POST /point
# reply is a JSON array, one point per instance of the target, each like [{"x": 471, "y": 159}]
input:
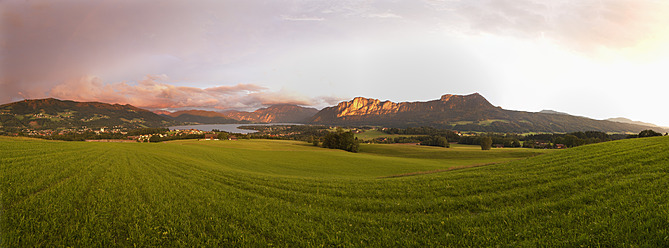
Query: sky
[{"x": 593, "y": 58}]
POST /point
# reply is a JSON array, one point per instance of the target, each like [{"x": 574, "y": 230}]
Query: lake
[{"x": 230, "y": 128}]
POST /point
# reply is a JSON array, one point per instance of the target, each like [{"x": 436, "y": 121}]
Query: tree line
[{"x": 545, "y": 141}]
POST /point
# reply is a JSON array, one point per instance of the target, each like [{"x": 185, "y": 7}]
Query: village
[{"x": 122, "y": 134}]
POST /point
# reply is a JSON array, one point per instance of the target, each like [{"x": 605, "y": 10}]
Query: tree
[
  {"x": 442, "y": 141},
  {"x": 354, "y": 147},
  {"x": 529, "y": 143},
  {"x": 341, "y": 140},
  {"x": 572, "y": 141},
  {"x": 436, "y": 141},
  {"x": 648, "y": 133},
  {"x": 486, "y": 143},
  {"x": 155, "y": 138}
]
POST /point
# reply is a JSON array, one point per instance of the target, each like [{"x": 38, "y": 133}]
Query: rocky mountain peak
[
  {"x": 365, "y": 106},
  {"x": 446, "y": 98},
  {"x": 450, "y": 97}
]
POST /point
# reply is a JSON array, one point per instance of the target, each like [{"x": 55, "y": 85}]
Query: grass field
[
  {"x": 373, "y": 134},
  {"x": 282, "y": 193}
]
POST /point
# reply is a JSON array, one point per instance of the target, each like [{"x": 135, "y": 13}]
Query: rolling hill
[
  {"x": 253, "y": 193},
  {"x": 464, "y": 113},
  {"x": 52, "y": 113}
]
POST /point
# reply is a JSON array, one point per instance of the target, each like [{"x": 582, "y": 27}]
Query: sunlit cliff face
[{"x": 365, "y": 106}]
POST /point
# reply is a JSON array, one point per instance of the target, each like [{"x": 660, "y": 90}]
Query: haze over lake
[{"x": 230, "y": 128}]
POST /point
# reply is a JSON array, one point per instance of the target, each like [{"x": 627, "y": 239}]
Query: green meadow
[
  {"x": 373, "y": 134},
  {"x": 253, "y": 193}
]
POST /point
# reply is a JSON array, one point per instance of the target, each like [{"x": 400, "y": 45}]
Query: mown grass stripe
[{"x": 191, "y": 193}]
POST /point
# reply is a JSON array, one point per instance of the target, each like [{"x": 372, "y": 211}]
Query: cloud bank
[
  {"x": 298, "y": 48},
  {"x": 152, "y": 93},
  {"x": 583, "y": 26}
]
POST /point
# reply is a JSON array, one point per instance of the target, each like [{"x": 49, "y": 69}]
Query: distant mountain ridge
[
  {"x": 456, "y": 112},
  {"x": 625, "y": 120},
  {"x": 365, "y": 111},
  {"x": 201, "y": 117},
  {"x": 280, "y": 113},
  {"x": 548, "y": 111},
  {"x": 360, "y": 106},
  {"x": 51, "y": 113},
  {"x": 460, "y": 112}
]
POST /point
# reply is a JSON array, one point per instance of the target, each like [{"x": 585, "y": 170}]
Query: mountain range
[
  {"x": 625, "y": 120},
  {"x": 280, "y": 113},
  {"x": 52, "y": 113},
  {"x": 463, "y": 113},
  {"x": 456, "y": 112}
]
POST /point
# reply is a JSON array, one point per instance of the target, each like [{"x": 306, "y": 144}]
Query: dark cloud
[
  {"x": 43, "y": 43},
  {"x": 50, "y": 50}
]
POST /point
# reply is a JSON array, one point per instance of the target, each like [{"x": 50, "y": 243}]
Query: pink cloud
[
  {"x": 582, "y": 26},
  {"x": 236, "y": 88},
  {"x": 152, "y": 93}
]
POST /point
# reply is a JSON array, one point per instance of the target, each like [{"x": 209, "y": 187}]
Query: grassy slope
[
  {"x": 373, "y": 134},
  {"x": 240, "y": 193}
]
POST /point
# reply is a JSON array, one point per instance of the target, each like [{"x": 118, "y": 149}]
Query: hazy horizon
[{"x": 599, "y": 59}]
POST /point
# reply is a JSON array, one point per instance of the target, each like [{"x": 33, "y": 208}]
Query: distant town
[{"x": 120, "y": 134}]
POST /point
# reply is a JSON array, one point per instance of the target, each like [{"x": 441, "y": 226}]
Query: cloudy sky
[{"x": 594, "y": 58}]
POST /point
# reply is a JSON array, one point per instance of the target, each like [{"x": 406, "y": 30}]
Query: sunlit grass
[{"x": 284, "y": 193}]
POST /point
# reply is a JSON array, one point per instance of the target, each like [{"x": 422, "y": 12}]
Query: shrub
[
  {"x": 436, "y": 141},
  {"x": 486, "y": 143},
  {"x": 648, "y": 133}
]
